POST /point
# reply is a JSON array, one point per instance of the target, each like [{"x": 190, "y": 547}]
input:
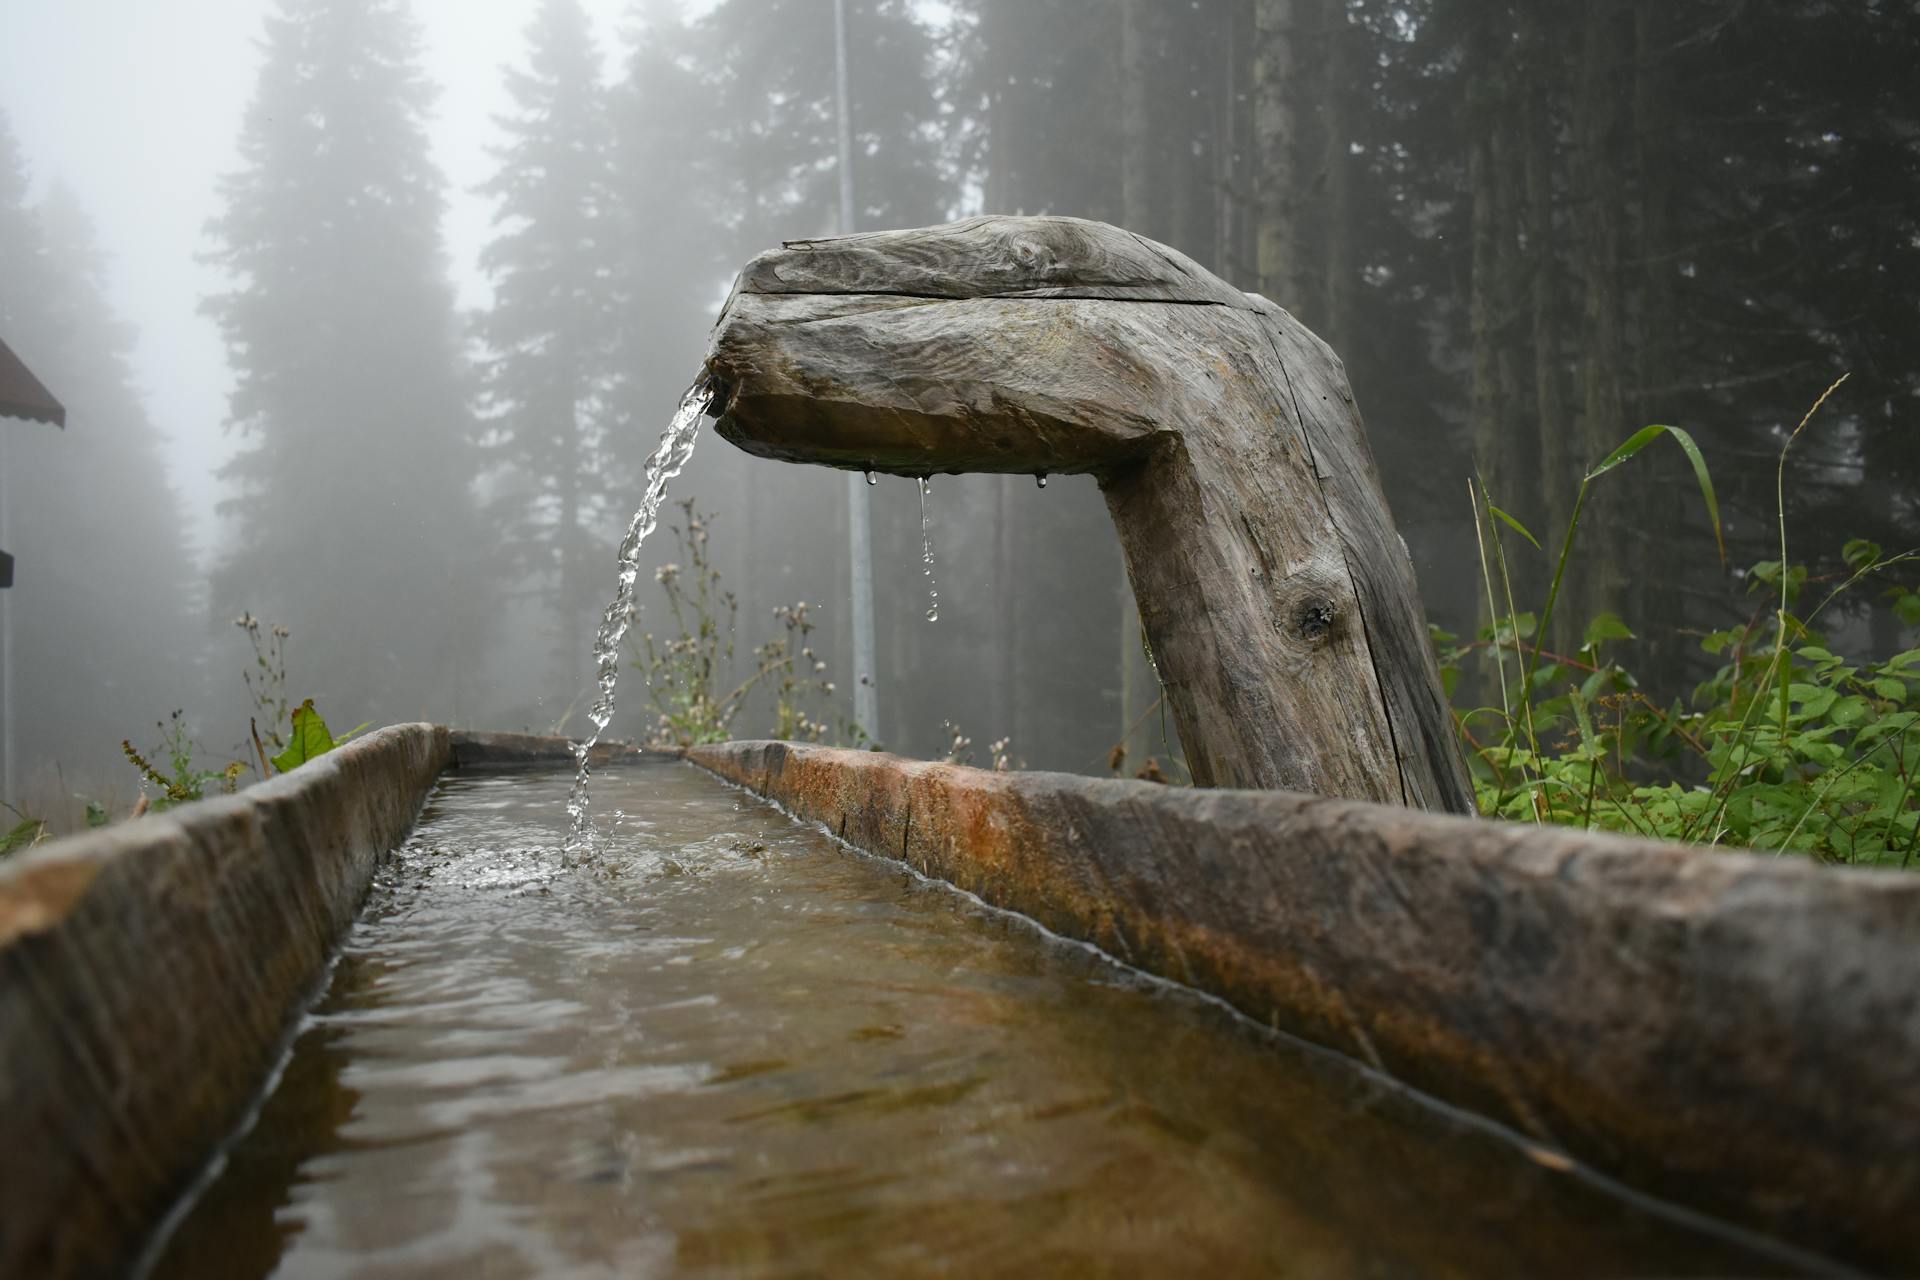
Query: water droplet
[
  {"x": 1041, "y": 479},
  {"x": 872, "y": 478},
  {"x": 926, "y": 554}
]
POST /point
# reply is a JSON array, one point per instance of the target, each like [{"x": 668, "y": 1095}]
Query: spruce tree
[
  {"x": 104, "y": 587},
  {"x": 773, "y": 121},
  {"x": 557, "y": 480},
  {"x": 352, "y": 509},
  {"x": 22, "y": 250}
]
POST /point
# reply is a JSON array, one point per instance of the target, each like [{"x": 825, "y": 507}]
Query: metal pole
[
  {"x": 866, "y": 690},
  {"x": 8, "y": 790}
]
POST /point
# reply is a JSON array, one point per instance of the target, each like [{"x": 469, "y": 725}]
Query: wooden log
[{"x": 1279, "y": 601}]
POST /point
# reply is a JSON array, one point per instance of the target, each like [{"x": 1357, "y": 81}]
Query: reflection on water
[{"x": 730, "y": 1047}]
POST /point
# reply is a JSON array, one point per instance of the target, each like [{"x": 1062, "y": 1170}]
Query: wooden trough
[
  {"x": 1734, "y": 1033},
  {"x": 151, "y": 972}
]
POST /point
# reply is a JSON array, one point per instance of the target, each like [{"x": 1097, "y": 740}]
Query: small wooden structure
[
  {"x": 1278, "y": 599},
  {"x": 23, "y": 396}
]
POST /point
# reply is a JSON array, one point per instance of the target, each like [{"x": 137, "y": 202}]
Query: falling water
[
  {"x": 675, "y": 447},
  {"x": 872, "y": 479},
  {"x": 1041, "y": 477},
  {"x": 926, "y": 554}
]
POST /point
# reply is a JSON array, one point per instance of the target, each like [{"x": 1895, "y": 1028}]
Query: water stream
[
  {"x": 926, "y": 553},
  {"x": 727, "y": 1046},
  {"x": 668, "y": 457}
]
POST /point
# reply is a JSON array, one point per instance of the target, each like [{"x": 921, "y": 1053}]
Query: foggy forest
[
  {"x": 1527, "y": 229},
  {"x": 796, "y": 638}
]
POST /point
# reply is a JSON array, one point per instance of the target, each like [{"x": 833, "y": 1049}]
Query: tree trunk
[
  {"x": 1558, "y": 476},
  {"x": 575, "y": 651},
  {"x": 1656, "y": 506},
  {"x": 1136, "y": 191},
  {"x": 1005, "y": 612},
  {"x": 1226, "y": 171},
  {"x": 1276, "y": 252},
  {"x": 1597, "y": 141},
  {"x": 1483, "y": 304},
  {"x": 1339, "y": 267}
]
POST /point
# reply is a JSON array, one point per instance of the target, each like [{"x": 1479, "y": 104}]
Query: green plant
[
  {"x": 24, "y": 834},
  {"x": 310, "y": 738},
  {"x": 266, "y": 680},
  {"x": 305, "y": 735},
  {"x": 1788, "y": 746},
  {"x": 182, "y": 780},
  {"x": 689, "y": 673},
  {"x": 798, "y": 675}
]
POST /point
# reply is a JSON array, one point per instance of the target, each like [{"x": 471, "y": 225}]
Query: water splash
[
  {"x": 926, "y": 554},
  {"x": 669, "y": 456}
]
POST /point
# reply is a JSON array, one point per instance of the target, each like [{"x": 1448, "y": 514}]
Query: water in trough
[{"x": 726, "y": 1045}]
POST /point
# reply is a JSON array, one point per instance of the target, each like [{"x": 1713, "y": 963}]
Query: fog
[{"x": 366, "y": 313}]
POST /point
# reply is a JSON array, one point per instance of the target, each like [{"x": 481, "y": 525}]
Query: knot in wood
[{"x": 1313, "y": 620}]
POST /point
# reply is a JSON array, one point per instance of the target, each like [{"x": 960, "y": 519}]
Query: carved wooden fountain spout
[{"x": 1278, "y": 599}]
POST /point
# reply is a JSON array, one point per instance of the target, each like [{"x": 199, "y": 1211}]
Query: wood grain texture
[
  {"x": 1279, "y": 601},
  {"x": 992, "y": 257}
]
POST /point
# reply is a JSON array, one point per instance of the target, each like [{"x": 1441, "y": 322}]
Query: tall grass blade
[
  {"x": 1646, "y": 436},
  {"x": 1516, "y": 526}
]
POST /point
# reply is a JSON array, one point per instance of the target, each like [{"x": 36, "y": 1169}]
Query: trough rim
[{"x": 1440, "y": 1028}]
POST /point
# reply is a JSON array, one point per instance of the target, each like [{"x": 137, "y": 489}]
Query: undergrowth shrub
[
  {"x": 1789, "y": 746},
  {"x": 692, "y": 682}
]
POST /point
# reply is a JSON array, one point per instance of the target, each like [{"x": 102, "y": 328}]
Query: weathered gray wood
[
  {"x": 992, "y": 258},
  {"x": 1737, "y": 1033},
  {"x": 1279, "y": 601}
]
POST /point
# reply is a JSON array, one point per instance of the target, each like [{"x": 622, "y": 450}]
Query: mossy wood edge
[
  {"x": 150, "y": 973},
  {"x": 1730, "y": 1032}
]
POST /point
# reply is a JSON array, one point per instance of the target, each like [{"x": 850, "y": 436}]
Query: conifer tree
[
  {"x": 549, "y": 334},
  {"x": 352, "y": 508},
  {"x": 104, "y": 587}
]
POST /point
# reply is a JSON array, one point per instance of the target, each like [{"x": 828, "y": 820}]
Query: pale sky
[{"x": 136, "y": 105}]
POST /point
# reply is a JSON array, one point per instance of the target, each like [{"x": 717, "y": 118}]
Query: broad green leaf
[
  {"x": 1848, "y": 710},
  {"x": 1607, "y": 626},
  {"x": 1505, "y": 629},
  {"x": 22, "y": 836},
  {"x": 1812, "y": 699},
  {"x": 310, "y": 738},
  {"x": 1646, "y": 436},
  {"x": 1860, "y": 552}
]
